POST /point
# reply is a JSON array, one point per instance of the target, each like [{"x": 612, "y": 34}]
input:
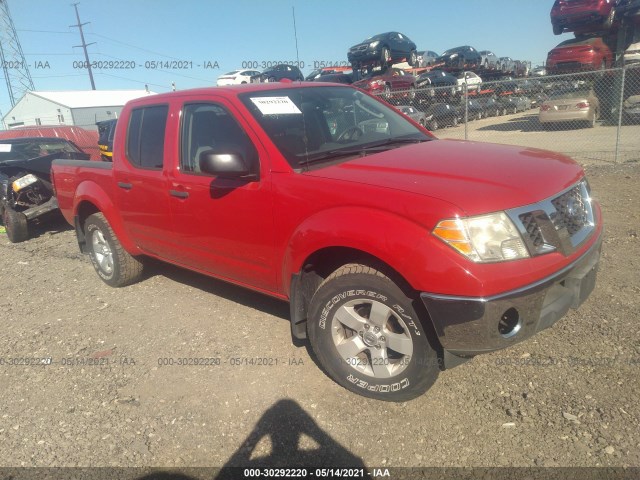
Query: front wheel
[
  {"x": 113, "y": 264},
  {"x": 413, "y": 59},
  {"x": 15, "y": 223},
  {"x": 367, "y": 335}
]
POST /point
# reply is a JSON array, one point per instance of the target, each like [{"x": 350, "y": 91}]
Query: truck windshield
[{"x": 322, "y": 123}]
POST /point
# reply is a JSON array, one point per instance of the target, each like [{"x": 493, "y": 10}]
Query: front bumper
[{"x": 468, "y": 326}]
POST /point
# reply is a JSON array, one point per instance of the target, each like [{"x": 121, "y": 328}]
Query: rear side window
[{"x": 145, "y": 136}]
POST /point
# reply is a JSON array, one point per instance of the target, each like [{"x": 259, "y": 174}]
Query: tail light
[
  {"x": 583, "y": 105},
  {"x": 545, "y": 108}
]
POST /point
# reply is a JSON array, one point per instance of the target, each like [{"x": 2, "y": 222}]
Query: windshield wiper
[{"x": 362, "y": 150}]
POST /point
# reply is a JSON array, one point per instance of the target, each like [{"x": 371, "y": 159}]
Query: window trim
[
  {"x": 181, "y": 136},
  {"x": 139, "y": 146}
]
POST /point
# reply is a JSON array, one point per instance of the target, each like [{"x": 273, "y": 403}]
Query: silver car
[{"x": 570, "y": 106}]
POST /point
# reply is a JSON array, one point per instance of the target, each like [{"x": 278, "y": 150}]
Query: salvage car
[
  {"x": 439, "y": 115},
  {"x": 471, "y": 80},
  {"x": 579, "y": 54},
  {"x": 437, "y": 83},
  {"x": 106, "y": 132},
  {"x": 26, "y": 193},
  {"x": 575, "y": 106},
  {"x": 414, "y": 114},
  {"x": 460, "y": 58},
  {"x": 236, "y": 77},
  {"x": 390, "y": 83},
  {"x": 631, "y": 109},
  {"x": 383, "y": 49},
  {"x": 278, "y": 73},
  {"x": 489, "y": 60},
  {"x": 567, "y": 15},
  {"x": 426, "y": 58}
]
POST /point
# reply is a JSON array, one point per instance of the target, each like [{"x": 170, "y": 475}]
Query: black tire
[
  {"x": 16, "y": 225},
  {"x": 412, "y": 93},
  {"x": 413, "y": 59},
  {"x": 454, "y": 122},
  {"x": 367, "y": 335},
  {"x": 385, "y": 56},
  {"x": 433, "y": 125},
  {"x": 557, "y": 30},
  {"x": 609, "y": 20},
  {"x": 386, "y": 94},
  {"x": 113, "y": 264},
  {"x": 515, "y": 109}
]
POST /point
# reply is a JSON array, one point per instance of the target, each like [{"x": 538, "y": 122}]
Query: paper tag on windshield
[
  {"x": 5, "y": 147},
  {"x": 275, "y": 105}
]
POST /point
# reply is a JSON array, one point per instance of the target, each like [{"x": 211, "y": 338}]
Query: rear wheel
[
  {"x": 113, "y": 264},
  {"x": 368, "y": 337},
  {"x": 433, "y": 125},
  {"x": 15, "y": 223},
  {"x": 557, "y": 30}
]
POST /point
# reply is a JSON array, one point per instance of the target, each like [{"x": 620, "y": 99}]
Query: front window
[{"x": 315, "y": 125}]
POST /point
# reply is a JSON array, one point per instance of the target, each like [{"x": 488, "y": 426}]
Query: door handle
[
  {"x": 178, "y": 194},
  {"x": 126, "y": 186}
]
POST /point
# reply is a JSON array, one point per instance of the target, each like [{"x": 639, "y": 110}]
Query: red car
[
  {"x": 579, "y": 54},
  {"x": 568, "y": 15},
  {"x": 389, "y": 83}
]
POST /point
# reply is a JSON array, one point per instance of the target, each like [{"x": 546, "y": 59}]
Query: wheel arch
[
  {"x": 90, "y": 198},
  {"x": 318, "y": 266}
]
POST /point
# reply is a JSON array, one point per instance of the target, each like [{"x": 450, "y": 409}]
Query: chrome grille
[
  {"x": 572, "y": 213},
  {"x": 533, "y": 230},
  {"x": 561, "y": 223}
]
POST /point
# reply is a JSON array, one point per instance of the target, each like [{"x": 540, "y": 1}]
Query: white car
[
  {"x": 472, "y": 80},
  {"x": 236, "y": 77},
  {"x": 632, "y": 54}
]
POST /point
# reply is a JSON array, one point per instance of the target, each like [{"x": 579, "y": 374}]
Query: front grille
[
  {"x": 533, "y": 229},
  {"x": 572, "y": 213},
  {"x": 560, "y": 223}
]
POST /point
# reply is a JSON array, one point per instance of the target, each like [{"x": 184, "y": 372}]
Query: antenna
[{"x": 295, "y": 35}]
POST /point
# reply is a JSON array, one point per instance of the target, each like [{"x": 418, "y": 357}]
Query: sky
[{"x": 208, "y": 38}]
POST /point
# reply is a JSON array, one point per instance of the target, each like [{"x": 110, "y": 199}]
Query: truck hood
[{"x": 476, "y": 177}]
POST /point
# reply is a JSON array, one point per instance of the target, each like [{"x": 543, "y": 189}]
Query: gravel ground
[{"x": 567, "y": 397}]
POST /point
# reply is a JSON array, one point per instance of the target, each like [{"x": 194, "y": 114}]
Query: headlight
[
  {"x": 484, "y": 238},
  {"x": 22, "y": 182},
  {"x": 374, "y": 44}
]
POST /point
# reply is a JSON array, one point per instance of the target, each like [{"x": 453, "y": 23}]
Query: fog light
[{"x": 509, "y": 323}]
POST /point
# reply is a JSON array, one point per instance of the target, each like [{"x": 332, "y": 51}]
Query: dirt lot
[{"x": 567, "y": 397}]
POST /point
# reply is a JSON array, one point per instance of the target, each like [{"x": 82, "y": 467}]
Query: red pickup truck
[{"x": 400, "y": 254}]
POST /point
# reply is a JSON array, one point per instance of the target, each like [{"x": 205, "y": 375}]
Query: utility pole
[
  {"x": 14, "y": 65},
  {"x": 84, "y": 45}
]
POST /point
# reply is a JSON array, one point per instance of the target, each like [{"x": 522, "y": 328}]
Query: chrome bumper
[{"x": 468, "y": 326}]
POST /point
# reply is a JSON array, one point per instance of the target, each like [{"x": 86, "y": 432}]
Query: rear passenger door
[
  {"x": 141, "y": 183},
  {"x": 223, "y": 227}
]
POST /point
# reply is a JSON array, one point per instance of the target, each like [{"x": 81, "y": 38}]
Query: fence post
[
  {"x": 620, "y": 107},
  {"x": 465, "y": 92}
]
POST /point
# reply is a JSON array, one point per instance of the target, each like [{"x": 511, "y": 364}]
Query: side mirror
[{"x": 225, "y": 165}]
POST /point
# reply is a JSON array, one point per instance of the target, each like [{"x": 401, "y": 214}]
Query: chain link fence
[{"x": 590, "y": 116}]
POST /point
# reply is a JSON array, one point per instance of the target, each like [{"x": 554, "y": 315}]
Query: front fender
[
  {"x": 90, "y": 192},
  {"x": 386, "y": 236}
]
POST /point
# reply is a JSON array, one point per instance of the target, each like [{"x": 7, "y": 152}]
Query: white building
[{"x": 82, "y": 108}]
